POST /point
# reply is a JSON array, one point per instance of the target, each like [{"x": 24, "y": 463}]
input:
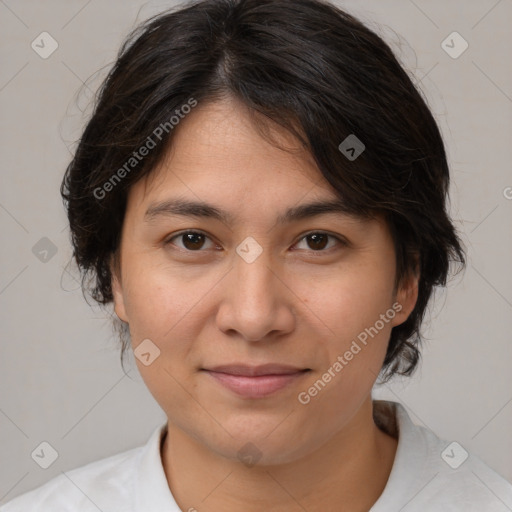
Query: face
[{"x": 223, "y": 289}]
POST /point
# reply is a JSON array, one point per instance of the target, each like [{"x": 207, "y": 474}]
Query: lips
[
  {"x": 251, "y": 371},
  {"x": 255, "y": 381}
]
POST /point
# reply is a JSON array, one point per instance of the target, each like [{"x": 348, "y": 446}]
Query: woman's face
[{"x": 255, "y": 288}]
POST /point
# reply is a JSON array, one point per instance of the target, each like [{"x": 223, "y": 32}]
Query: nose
[{"x": 256, "y": 303}]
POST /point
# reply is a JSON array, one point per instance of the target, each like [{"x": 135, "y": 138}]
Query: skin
[{"x": 298, "y": 303}]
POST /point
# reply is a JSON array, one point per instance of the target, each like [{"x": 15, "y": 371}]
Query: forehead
[{"x": 218, "y": 153}]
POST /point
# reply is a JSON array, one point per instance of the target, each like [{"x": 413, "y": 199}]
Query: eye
[
  {"x": 191, "y": 240},
  {"x": 318, "y": 240},
  {"x": 194, "y": 241}
]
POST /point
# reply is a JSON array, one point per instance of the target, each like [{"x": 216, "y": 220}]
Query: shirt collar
[
  {"x": 152, "y": 493},
  {"x": 411, "y": 458}
]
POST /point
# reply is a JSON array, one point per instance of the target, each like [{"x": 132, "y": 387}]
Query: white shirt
[{"x": 422, "y": 478}]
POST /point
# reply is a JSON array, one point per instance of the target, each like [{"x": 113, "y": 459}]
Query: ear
[
  {"x": 406, "y": 295},
  {"x": 117, "y": 290}
]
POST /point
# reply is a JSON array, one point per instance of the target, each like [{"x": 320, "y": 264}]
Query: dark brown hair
[{"x": 305, "y": 64}]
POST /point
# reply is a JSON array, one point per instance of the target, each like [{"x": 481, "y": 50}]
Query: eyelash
[{"x": 341, "y": 242}]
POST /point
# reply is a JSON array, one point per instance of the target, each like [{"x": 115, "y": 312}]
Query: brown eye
[
  {"x": 318, "y": 241},
  {"x": 190, "y": 240},
  {"x": 193, "y": 241}
]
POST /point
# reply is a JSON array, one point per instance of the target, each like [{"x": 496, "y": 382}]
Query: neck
[{"x": 351, "y": 468}]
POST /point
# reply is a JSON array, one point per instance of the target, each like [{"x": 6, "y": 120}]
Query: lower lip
[{"x": 257, "y": 386}]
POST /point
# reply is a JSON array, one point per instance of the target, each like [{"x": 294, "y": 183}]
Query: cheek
[
  {"x": 161, "y": 308},
  {"x": 350, "y": 300},
  {"x": 158, "y": 298},
  {"x": 356, "y": 313},
  {"x": 168, "y": 308}
]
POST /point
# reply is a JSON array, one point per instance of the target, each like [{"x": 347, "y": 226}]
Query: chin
[{"x": 264, "y": 447}]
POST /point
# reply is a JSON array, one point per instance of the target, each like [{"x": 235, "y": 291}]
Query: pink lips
[{"x": 256, "y": 381}]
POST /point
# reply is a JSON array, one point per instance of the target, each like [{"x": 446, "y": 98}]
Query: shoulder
[
  {"x": 90, "y": 487},
  {"x": 455, "y": 479},
  {"x": 432, "y": 474}
]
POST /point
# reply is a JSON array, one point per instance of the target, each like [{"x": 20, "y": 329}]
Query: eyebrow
[{"x": 199, "y": 209}]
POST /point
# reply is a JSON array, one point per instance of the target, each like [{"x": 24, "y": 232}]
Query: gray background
[{"x": 61, "y": 379}]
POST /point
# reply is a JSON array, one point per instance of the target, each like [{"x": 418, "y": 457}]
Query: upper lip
[{"x": 252, "y": 371}]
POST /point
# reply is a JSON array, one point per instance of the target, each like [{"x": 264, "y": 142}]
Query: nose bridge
[
  {"x": 253, "y": 305},
  {"x": 254, "y": 277}
]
